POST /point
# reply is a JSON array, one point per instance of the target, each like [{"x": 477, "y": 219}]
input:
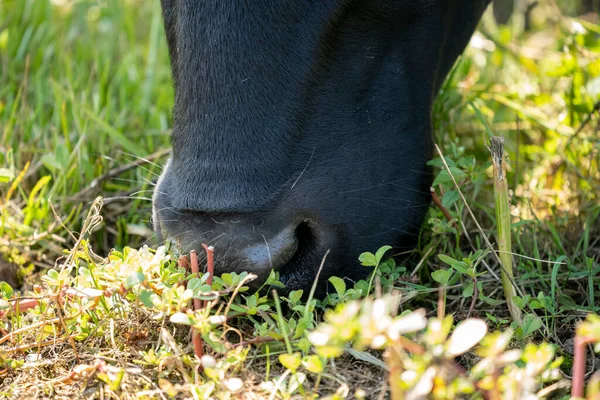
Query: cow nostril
[
  {"x": 305, "y": 239},
  {"x": 298, "y": 266},
  {"x": 304, "y": 236}
]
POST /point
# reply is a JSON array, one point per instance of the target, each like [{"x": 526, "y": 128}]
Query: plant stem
[
  {"x": 395, "y": 365},
  {"x": 503, "y": 224},
  {"x": 281, "y": 322},
  {"x": 196, "y": 338},
  {"x": 578, "y": 383}
]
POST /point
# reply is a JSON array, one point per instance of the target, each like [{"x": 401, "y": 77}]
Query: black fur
[{"x": 304, "y": 113}]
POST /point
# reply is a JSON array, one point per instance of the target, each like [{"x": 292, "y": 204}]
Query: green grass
[{"x": 86, "y": 88}]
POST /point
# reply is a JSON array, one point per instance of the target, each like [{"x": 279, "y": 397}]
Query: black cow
[{"x": 302, "y": 126}]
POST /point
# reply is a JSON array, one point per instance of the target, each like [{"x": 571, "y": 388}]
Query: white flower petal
[
  {"x": 413, "y": 322},
  {"x": 466, "y": 335}
]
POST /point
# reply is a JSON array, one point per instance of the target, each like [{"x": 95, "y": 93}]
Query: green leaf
[
  {"x": 228, "y": 279},
  {"x": 535, "y": 304},
  {"x": 482, "y": 119},
  {"x": 301, "y": 328},
  {"x": 194, "y": 284},
  {"x": 554, "y": 279},
  {"x": 6, "y": 289},
  {"x": 273, "y": 280},
  {"x": 213, "y": 341},
  {"x": 531, "y": 323},
  {"x": 496, "y": 319},
  {"x": 490, "y": 301},
  {"x": 252, "y": 301},
  {"x": 388, "y": 265},
  {"x": 546, "y": 302},
  {"x": 521, "y": 302},
  {"x": 444, "y": 177},
  {"x": 460, "y": 266},
  {"x": 450, "y": 197},
  {"x": 441, "y": 276},
  {"x": 467, "y": 162},
  {"x": 313, "y": 364},
  {"x": 134, "y": 279},
  {"x": 437, "y": 162},
  {"x": 339, "y": 285},
  {"x": 468, "y": 290},
  {"x": 304, "y": 345},
  {"x": 146, "y": 298},
  {"x": 362, "y": 286},
  {"x": 449, "y": 260},
  {"x": 6, "y": 175},
  {"x": 55, "y": 161},
  {"x": 52, "y": 274},
  {"x": 380, "y": 253},
  {"x": 491, "y": 317},
  {"x": 290, "y": 361},
  {"x": 368, "y": 259},
  {"x": 295, "y": 296},
  {"x": 238, "y": 308}
]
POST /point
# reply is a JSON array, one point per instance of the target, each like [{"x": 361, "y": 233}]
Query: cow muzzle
[{"x": 240, "y": 244}]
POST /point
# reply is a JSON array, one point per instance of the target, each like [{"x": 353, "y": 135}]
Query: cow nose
[
  {"x": 259, "y": 255},
  {"x": 242, "y": 243}
]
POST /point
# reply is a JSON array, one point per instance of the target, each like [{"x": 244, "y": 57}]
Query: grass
[
  {"x": 85, "y": 98},
  {"x": 85, "y": 88}
]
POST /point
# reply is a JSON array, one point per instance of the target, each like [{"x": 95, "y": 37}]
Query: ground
[{"x": 85, "y": 101}]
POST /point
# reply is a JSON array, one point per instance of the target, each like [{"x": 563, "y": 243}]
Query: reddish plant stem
[
  {"x": 579, "y": 365},
  {"x": 258, "y": 340},
  {"x": 210, "y": 265},
  {"x": 495, "y": 392},
  {"x": 22, "y": 304},
  {"x": 196, "y": 338},
  {"x": 210, "y": 262},
  {"x": 394, "y": 362},
  {"x": 183, "y": 262},
  {"x": 411, "y": 346},
  {"x": 438, "y": 203},
  {"x": 475, "y": 296},
  {"x": 441, "y": 311}
]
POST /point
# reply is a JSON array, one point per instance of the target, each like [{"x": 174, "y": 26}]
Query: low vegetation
[{"x": 85, "y": 101}]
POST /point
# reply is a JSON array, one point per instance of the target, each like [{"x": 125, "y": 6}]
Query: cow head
[{"x": 302, "y": 126}]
